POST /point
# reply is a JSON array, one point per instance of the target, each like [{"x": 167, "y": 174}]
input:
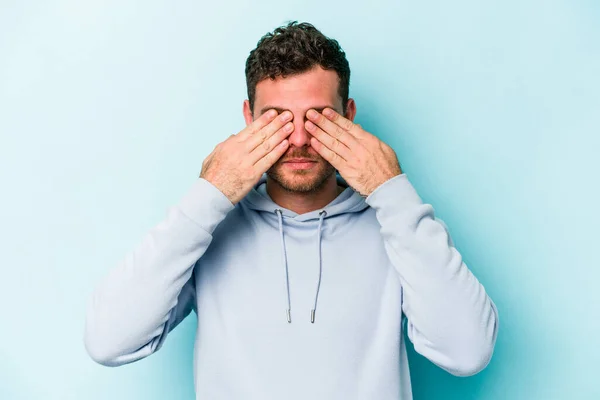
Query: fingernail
[
  {"x": 310, "y": 126},
  {"x": 286, "y": 115},
  {"x": 328, "y": 112},
  {"x": 311, "y": 113}
]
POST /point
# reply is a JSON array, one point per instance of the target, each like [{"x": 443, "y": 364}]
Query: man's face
[{"x": 317, "y": 89}]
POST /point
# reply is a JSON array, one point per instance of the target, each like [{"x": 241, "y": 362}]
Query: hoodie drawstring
[
  {"x": 287, "y": 279},
  {"x": 322, "y": 215},
  {"x": 312, "y": 313}
]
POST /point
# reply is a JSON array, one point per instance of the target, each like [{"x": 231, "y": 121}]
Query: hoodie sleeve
[
  {"x": 451, "y": 319},
  {"x": 145, "y": 296}
]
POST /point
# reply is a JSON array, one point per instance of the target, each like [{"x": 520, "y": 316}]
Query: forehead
[{"x": 317, "y": 87}]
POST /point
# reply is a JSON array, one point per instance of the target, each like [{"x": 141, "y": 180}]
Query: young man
[{"x": 300, "y": 277}]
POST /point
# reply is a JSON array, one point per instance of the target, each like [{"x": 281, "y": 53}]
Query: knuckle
[
  {"x": 335, "y": 144},
  {"x": 269, "y": 158},
  {"x": 266, "y": 145},
  {"x": 263, "y": 135}
]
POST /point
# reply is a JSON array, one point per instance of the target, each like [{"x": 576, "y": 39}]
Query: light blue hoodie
[{"x": 295, "y": 306}]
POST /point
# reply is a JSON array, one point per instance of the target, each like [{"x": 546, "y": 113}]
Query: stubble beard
[{"x": 301, "y": 181}]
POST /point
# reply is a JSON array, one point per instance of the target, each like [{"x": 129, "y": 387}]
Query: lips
[
  {"x": 299, "y": 160},
  {"x": 297, "y": 164}
]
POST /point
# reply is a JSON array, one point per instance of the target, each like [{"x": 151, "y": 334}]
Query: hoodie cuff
[
  {"x": 205, "y": 204},
  {"x": 394, "y": 194}
]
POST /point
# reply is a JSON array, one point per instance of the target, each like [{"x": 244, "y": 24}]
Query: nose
[{"x": 300, "y": 136}]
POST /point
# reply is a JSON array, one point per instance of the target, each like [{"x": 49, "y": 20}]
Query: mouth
[
  {"x": 300, "y": 163},
  {"x": 299, "y": 160}
]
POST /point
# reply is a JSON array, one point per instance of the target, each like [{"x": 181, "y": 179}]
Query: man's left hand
[{"x": 364, "y": 161}]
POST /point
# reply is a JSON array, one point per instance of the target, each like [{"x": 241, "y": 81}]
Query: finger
[
  {"x": 332, "y": 143},
  {"x": 344, "y": 123},
  {"x": 273, "y": 141},
  {"x": 258, "y": 124},
  {"x": 332, "y": 129},
  {"x": 271, "y": 158},
  {"x": 267, "y": 131},
  {"x": 332, "y": 157}
]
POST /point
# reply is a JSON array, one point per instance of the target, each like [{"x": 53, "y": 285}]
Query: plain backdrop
[{"x": 108, "y": 108}]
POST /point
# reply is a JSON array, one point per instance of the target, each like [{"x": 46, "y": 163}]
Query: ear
[
  {"x": 247, "y": 112},
  {"x": 350, "y": 110}
]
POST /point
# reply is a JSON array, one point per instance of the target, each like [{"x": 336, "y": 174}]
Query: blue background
[{"x": 108, "y": 108}]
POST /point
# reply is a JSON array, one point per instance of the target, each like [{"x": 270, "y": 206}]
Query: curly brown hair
[{"x": 293, "y": 49}]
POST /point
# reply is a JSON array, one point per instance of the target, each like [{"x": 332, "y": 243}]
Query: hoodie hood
[{"x": 349, "y": 201}]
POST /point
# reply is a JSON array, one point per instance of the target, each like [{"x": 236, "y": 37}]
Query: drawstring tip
[
  {"x": 312, "y": 316},
  {"x": 289, "y": 316}
]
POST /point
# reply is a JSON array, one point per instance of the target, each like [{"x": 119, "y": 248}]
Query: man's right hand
[{"x": 237, "y": 164}]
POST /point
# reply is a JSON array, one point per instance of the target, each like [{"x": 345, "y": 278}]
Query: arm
[
  {"x": 451, "y": 319},
  {"x": 134, "y": 308},
  {"x": 151, "y": 290}
]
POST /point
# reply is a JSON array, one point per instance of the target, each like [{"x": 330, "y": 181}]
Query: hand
[
  {"x": 237, "y": 164},
  {"x": 364, "y": 161}
]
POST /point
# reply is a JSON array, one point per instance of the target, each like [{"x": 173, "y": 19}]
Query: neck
[{"x": 302, "y": 203}]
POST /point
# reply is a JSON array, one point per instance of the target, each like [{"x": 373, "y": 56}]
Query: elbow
[
  {"x": 98, "y": 354},
  {"x": 102, "y": 346},
  {"x": 471, "y": 363},
  {"x": 111, "y": 355},
  {"x": 105, "y": 338},
  {"x": 476, "y": 354},
  {"x": 97, "y": 342},
  {"x": 100, "y": 351},
  {"x": 461, "y": 359},
  {"x": 115, "y": 352}
]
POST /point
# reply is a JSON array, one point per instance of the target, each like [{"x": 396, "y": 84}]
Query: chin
[{"x": 301, "y": 181}]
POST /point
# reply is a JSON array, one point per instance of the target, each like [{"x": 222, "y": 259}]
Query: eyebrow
[{"x": 280, "y": 110}]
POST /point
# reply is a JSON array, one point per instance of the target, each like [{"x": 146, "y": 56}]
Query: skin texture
[
  {"x": 300, "y": 190},
  {"x": 236, "y": 164},
  {"x": 332, "y": 140},
  {"x": 363, "y": 160}
]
